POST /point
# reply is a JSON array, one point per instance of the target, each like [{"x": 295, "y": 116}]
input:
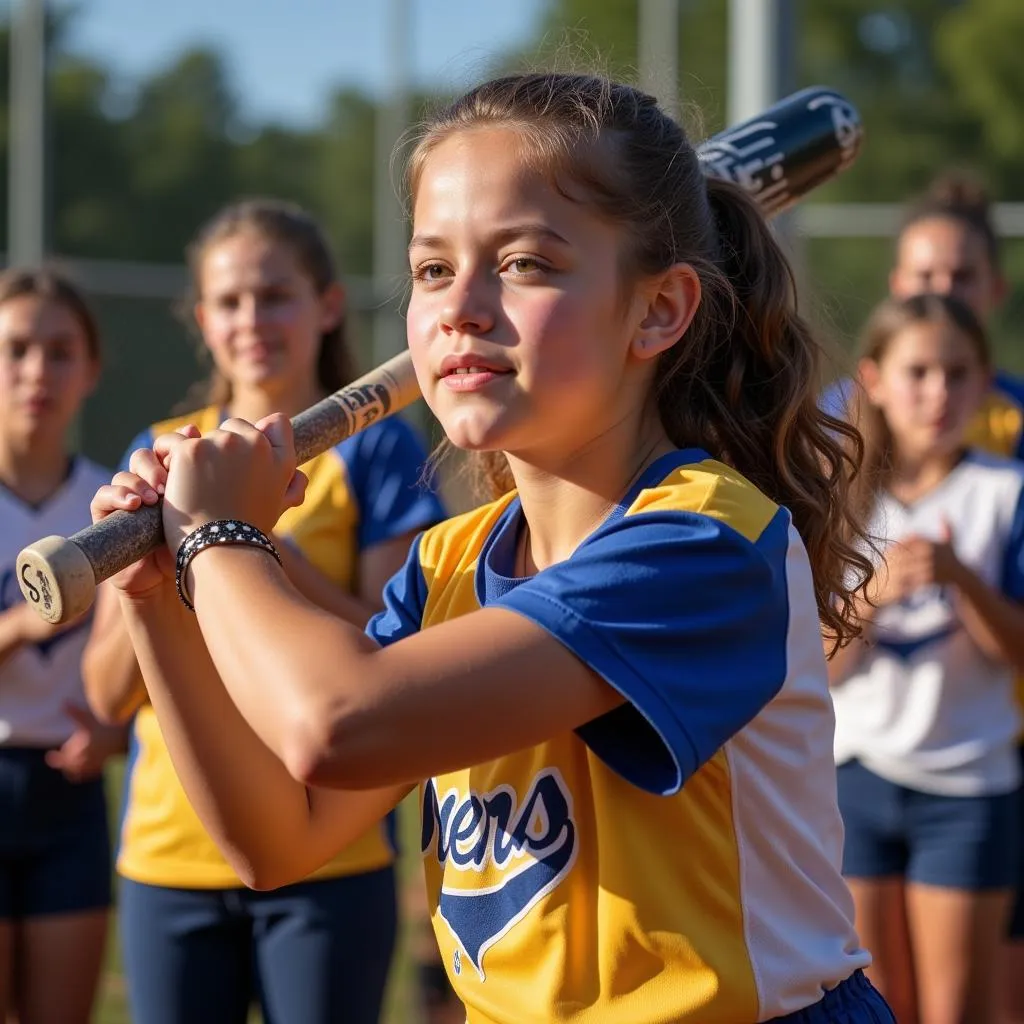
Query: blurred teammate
[
  {"x": 54, "y": 845},
  {"x": 197, "y": 944},
  {"x": 926, "y": 719}
]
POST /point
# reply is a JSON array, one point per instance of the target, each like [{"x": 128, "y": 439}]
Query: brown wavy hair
[
  {"x": 743, "y": 382},
  {"x": 287, "y": 224},
  {"x": 888, "y": 320}
]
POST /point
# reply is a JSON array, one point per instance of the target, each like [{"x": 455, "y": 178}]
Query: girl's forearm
[
  {"x": 289, "y": 694},
  {"x": 113, "y": 682},
  {"x": 242, "y": 793},
  {"x": 316, "y": 587},
  {"x": 993, "y": 622}
]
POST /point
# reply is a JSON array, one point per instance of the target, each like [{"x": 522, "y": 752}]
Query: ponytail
[{"x": 742, "y": 384}]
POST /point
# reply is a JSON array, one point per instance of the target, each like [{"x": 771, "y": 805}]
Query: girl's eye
[
  {"x": 523, "y": 265},
  {"x": 431, "y": 272}
]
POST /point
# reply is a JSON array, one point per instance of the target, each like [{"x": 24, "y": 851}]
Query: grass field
[{"x": 401, "y": 1008}]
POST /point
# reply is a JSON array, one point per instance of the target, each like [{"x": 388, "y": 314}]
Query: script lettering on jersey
[{"x": 524, "y": 847}]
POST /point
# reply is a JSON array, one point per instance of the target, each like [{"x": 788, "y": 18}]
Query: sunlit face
[
  {"x": 516, "y": 322},
  {"x": 943, "y": 256},
  {"x": 928, "y": 384},
  {"x": 46, "y": 369},
  {"x": 260, "y": 314}
]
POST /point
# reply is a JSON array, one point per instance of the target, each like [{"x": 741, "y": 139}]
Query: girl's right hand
[{"x": 142, "y": 485}]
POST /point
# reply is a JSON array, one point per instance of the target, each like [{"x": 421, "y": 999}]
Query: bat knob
[{"x": 57, "y": 579}]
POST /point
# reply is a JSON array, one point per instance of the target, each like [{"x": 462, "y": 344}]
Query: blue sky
[{"x": 285, "y": 55}]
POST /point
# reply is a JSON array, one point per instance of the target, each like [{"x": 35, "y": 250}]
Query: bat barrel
[{"x": 793, "y": 147}]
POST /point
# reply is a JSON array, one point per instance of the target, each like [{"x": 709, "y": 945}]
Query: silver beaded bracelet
[{"x": 222, "y": 531}]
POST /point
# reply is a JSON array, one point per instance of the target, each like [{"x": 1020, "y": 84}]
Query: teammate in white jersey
[
  {"x": 926, "y": 721},
  {"x": 54, "y": 848}
]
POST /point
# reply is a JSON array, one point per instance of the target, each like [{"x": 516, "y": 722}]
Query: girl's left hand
[
  {"x": 240, "y": 471},
  {"x": 87, "y": 749},
  {"x": 928, "y": 562}
]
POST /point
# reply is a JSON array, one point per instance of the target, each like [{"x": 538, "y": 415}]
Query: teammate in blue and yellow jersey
[
  {"x": 268, "y": 306},
  {"x": 608, "y": 682}
]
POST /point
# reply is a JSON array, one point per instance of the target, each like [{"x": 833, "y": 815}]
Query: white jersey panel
[{"x": 37, "y": 679}]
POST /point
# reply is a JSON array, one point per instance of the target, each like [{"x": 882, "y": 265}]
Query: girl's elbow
[
  {"x": 261, "y": 877},
  {"x": 312, "y": 744},
  {"x": 334, "y": 751}
]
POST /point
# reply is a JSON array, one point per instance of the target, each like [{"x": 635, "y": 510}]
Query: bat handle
[{"x": 58, "y": 575}]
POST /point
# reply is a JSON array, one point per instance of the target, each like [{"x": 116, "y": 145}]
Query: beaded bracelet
[{"x": 222, "y": 531}]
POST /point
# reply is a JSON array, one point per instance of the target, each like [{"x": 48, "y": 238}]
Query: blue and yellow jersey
[
  {"x": 677, "y": 859},
  {"x": 998, "y": 426},
  {"x": 360, "y": 493}
]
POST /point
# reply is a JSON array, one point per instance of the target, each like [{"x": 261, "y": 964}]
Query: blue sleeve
[
  {"x": 1012, "y": 583},
  {"x": 835, "y": 398},
  {"x": 686, "y": 618},
  {"x": 405, "y": 597},
  {"x": 385, "y": 469},
  {"x": 144, "y": 439}
]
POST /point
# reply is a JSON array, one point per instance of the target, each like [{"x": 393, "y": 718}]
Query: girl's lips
[{"x": 472, "y": 378}]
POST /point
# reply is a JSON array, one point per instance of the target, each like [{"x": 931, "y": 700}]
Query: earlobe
[{"x": 671, "y": 302}]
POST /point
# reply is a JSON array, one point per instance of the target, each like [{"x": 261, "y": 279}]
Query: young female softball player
[
  {"x": 926, "y": 718},
  {"x": 271, "y": 313},
  {"x": 54, "y": 845},
  {"x": 608, "y": 682}
]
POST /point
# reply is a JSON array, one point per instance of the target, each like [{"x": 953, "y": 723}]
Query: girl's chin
[{"x": 472, "y": 434}]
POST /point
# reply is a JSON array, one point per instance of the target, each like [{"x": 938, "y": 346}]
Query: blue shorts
[
  {"x": 312, "y": 953},
  {"x": 1015, "y": 930},
  {"x": 957, "y": 842},
  {"x": 853, "y": 1001},
  {"x": 54, "y": 843}
]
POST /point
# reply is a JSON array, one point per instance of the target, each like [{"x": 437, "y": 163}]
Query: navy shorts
[
  {"x": 1016, "y": 926},
  {"x": 312, "y": 953},
  {"x": 956, "y": 842},
  {"x": 54, "y": 843},
  {"x": 853, "y": 1001}
]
